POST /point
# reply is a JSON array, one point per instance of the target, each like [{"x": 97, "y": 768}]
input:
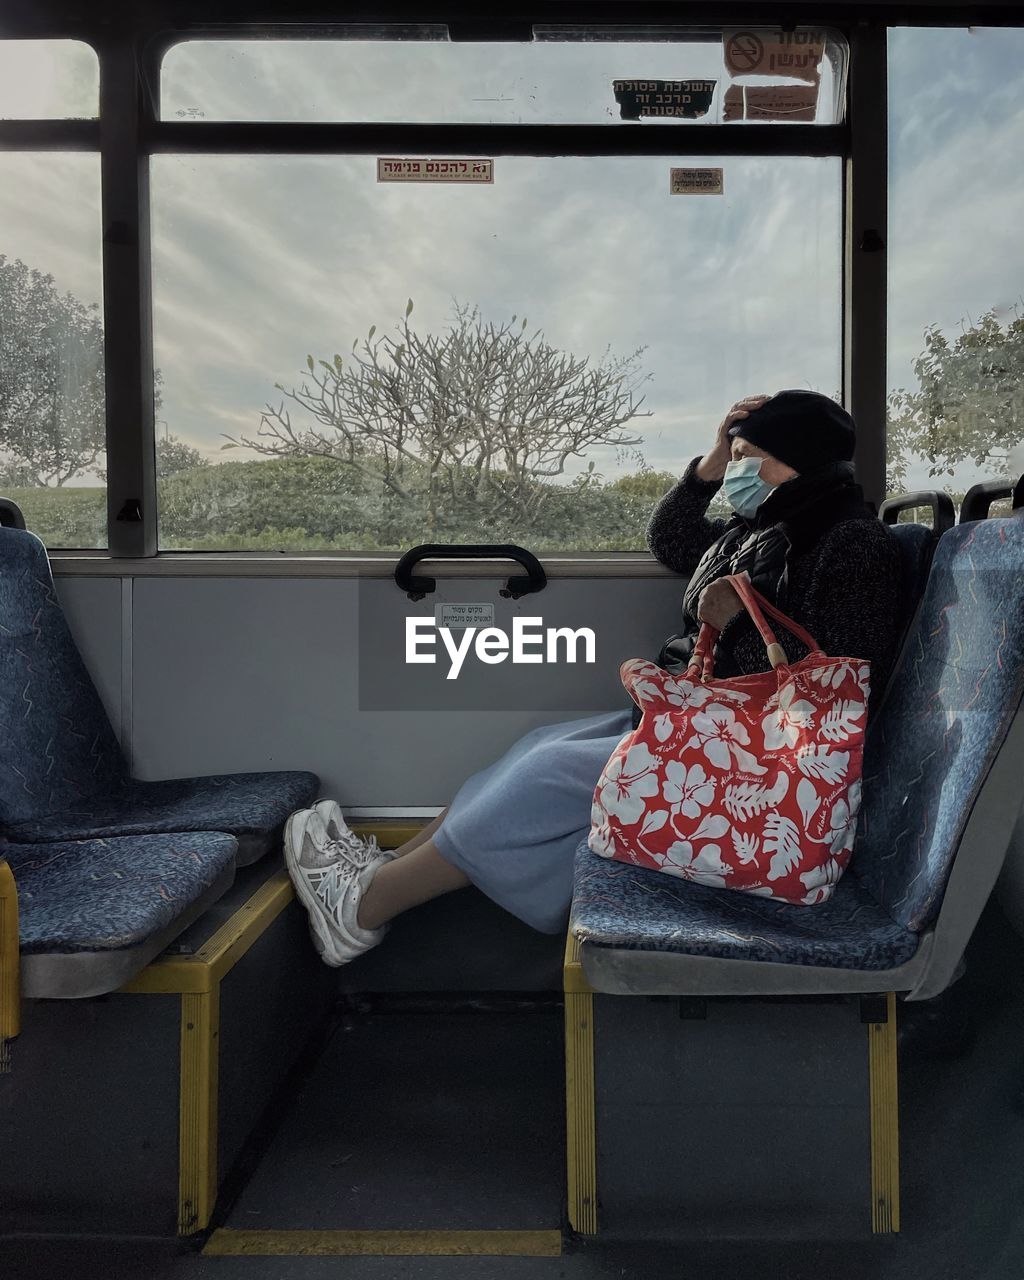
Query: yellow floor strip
[{"x": 281, "y": 1244}]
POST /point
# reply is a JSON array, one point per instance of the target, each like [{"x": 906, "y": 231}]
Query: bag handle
[{"x": 757, "y": 606}]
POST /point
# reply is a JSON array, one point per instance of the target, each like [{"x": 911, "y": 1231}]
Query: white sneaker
[
  {"x": 330, "y": 887},
  {"x": 338, "y": 837}
]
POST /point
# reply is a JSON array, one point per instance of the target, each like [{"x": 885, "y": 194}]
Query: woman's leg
[
  {"x": 417, "y": 876},
  {"x": 421, "y": 837}
]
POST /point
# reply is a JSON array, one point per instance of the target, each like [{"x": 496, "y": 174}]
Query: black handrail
[
  {"x": 978, "y": 499},
  {"x": 417, "y": 587},
  {"x": 11, "y": 515},
  {"x": 941, "y": 504}
]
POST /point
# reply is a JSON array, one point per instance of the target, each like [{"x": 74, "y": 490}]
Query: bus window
[
  {"x": 364, "y": 365},
  {"x": 52, "y": 425},
  {"x": 48, "y": 80},
  {"x": 564, "y": 75},
  {"x": 956, "y": 262}
]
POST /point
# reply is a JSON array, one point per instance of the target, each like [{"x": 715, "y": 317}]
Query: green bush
[
  {"x": 71, "y": 518},
  {"x": 318, "y": 504}
]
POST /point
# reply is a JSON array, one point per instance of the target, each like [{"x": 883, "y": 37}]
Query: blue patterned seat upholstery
[
  {"x": 93, "y": 913},
  {"x": 928, "y": 754},
  {"x": 62, "y": 775},
  {"x": 916, "y": 543},
  {"x": 250, "y": 806},
  {"x": 960, "y": 686},
  {"x": 107, "y": 895},
  {"x": 619, "y": 905}
]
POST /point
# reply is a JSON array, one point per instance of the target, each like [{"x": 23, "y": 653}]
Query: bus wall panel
[
  {"x": 89, "y": 1117},
  {"x": 89, "y": 1113},
  {"x": 249, "y": 674},
  {"x": 274, "y": 1005},
  {"x": 752, "y": 1122}
]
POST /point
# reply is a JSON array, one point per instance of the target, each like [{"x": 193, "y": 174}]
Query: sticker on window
[
  {"x": 680, "y": 99},
  {"x": 759, "y": 52},
  {"x": 697, "y": 182},
  {"x": 412, "y": 169},
  {"x": 765, "y": 102}
]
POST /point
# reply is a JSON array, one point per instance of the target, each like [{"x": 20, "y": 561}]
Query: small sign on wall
[
  {"x": 457, "y": 617},
  {"x": 697, "y": 182},
  {"x": 415, "y": 169}
]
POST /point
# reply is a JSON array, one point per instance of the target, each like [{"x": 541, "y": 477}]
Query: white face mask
[{"x": 744, "y": 488}]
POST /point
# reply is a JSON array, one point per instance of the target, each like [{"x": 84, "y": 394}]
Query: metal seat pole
[
  {"x": 581, "y": 1142},
  {"x": 883, "y": 1078},
  {"x": 10, "y": 965},
  {"x": 198, "y": 1108}
]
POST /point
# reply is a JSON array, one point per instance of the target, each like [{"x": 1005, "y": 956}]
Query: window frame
[{"x": 129, "y": 131}]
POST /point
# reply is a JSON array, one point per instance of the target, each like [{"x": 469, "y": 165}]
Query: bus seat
[
  {"x": 979, "y": 498},
  {"x": 11, "y": 516},
  {"x": 916, "y": 544},
  {"x": 62, "y": 774},
  {"x": 941, "y": 796},
  {"x": 93, "y": 913}
]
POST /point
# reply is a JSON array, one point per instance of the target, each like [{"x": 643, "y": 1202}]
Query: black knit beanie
[{"x": 803, "y": 429}]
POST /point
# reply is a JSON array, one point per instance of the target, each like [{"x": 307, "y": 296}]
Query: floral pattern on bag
[{"x": 749, "y": 784}]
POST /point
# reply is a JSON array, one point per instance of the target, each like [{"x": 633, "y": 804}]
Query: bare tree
[{"x": 482, "y": 412}]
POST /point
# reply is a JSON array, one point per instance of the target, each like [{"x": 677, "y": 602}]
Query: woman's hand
[
  {"x": 718, "y": 604},
  {"x": 712, "y": 465}
]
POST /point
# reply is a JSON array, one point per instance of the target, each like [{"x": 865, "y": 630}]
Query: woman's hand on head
[
  {"x": 718, "y": 604},
  {"x": 712, "y": 465}
]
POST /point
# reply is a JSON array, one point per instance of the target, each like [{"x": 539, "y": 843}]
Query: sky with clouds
[{"x": 261, "y": 260}]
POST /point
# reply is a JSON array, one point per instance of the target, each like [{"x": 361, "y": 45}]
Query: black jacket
[{"x": 814, "y": 549}]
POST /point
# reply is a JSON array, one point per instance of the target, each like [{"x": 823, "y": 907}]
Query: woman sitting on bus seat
[{"x": 807, "y": 540}]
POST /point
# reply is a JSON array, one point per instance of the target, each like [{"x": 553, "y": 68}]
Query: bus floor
[{"x": 419, "y": 1118}]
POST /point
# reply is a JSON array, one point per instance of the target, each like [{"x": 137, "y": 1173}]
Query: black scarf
[{"x": 789, "y": 523}]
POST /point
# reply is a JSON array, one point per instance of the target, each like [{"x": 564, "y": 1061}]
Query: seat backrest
[
  {"x": 946, "y": 719},
  {"x": 10, "y": 514},
  {"x": 916, "y": 544},
  {"x": 56, "y": 743},
  {"x": 978, "y": 499}
]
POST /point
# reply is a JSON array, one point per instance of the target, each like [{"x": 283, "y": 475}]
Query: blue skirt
[{"x": 514, "y": 827}]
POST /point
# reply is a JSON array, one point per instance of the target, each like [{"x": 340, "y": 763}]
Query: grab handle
[
  {"x": 978, "y": 499},
  {"x": 416, "y": 587},
  {"x": 941, "y": 504}
]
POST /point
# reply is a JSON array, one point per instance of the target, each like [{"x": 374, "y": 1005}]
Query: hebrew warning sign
[
  {"x": 760, "y": 52},
  {"x": 797, "y": 102},
  {"x": 398, "y": 169},
  {"x": 696, "y": 182},
  {"x": 683, "y": 99}
]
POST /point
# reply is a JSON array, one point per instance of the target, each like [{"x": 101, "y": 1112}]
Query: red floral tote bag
[{"x": 751, "y": 783}]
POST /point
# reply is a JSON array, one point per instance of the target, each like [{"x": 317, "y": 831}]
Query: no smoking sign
[
  {"x": 744, "y": 53},
  {"x": 795, "y": 55}
]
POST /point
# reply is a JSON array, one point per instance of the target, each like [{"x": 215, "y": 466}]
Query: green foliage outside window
[{"x": 477, "y": 432}]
